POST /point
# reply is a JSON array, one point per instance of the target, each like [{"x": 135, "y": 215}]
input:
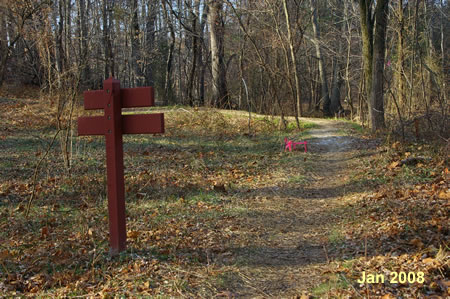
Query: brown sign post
[{"x": 113, "y": 125}]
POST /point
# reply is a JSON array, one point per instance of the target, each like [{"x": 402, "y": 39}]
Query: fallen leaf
[
  {"x": 44, "y": 232},
  {"x": 416, "y": 242},
  {"x": 133, "y": 234},
  {"x": 444, "y": 195},
  {"x": 428, "y": 260},
  {"x": 393, "y": 165},
  {"x": 4, "y": 254},
  {"x": 396, "y": 145}
]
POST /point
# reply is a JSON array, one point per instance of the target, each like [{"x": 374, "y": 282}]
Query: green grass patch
[
  {"x": 298, "y": 179},
  {"x": 334, "y": 282},
  {"x": 336, "y": 237}
]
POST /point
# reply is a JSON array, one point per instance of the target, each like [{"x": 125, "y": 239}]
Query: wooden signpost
[{"x": 113, "y": 125}]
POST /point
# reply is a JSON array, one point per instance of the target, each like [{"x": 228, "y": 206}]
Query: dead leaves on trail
[{"x": 402, "y": 226}]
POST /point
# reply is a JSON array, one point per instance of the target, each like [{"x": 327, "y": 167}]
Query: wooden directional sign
[{"x": 113, "y": 125}]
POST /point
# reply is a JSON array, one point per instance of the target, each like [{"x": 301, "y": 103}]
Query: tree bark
[
  {"x": 400, "y": 55},
  {"x": 203, "y": 48},
  {"x": 193, "y": 11},
  {"x": 83, "y": 10},
  {"x": 59, "y": 50},
  {"x": 335, "y": 99},
  {"x": 322, "y": 67},
  {"x": 218, "y": 70},
  {"x": 4, "y": 51},
  {"x": 150, "y": 41},
  {"x": 376, "y": 111},
  {"x": 336, "y": 82},
  {"x": 294, "y": 61},
  {"x": 168, "y": 92},
  {"x": 108, "y": 6},
  {"x": 365, "y": 7},
  {"x": 67, "y": 31},
  {"x": 135, "y": 58}
]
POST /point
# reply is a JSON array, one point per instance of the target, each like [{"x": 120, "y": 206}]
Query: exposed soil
[{"x": 289, "y": 228}]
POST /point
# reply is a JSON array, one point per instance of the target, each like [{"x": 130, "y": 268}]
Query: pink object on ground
[{"x": 289, "y": 144}]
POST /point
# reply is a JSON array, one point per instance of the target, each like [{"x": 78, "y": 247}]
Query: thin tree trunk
[
  {"x": 4, "y": 51},
  {"x": 203, "y": 48},
  {"x": 322, "y": 67},
  {"x": 274, "y": 14},
  {"x": 135, "y": 46},
  {"x": 443, "y": 102},
  {"x": 294, "y": 62},
  {"x": 108, "y": 6},
  {"x": 150, "y": 41},
  {"x": 366, "y": 20},
  {"x": 336, "y": 82},
  {"x": 83, "y": 9},
  {"x": 335, "y": 100},
  {"x": 194, "y": 11},
  {"x": 59, "y": 40},
  {"x": 376, "y": 111},
  {"x": 400, "y": 55},
  {"x": 348, "y": 97},
  {"x": 168, "y": 88},
  {"x": 67, "y": 31},
  {"x": 218, "y": 70}
]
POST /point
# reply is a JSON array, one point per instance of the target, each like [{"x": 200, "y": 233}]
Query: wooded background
[{"x": 384, "y": 63}]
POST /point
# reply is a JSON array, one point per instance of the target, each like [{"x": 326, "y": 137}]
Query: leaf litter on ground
[
  {"x": 196, "y": 192},
  {"x": 400, "y": 226},
  {"x": 182, "y": 206}
]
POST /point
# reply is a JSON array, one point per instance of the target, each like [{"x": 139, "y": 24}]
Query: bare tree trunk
[
  {"x": 150, "y": 41},
  {"x": 67, "y": 31},
  {"x": 294, "y": 62},
  {"x": 443, "y": 102},
  {"x": 193, "y": 11},
  {"x": 335, "y": 99},
  {"x": 83, "y": 10},
  {"x": 59, "y": 40},
  {"x": 337, "y": 80},
  {"x": 108, "y": 6},
  {"x": 348, "y": 96},
  {"x": 135, "y": 45},
  {"x": 203, "y": 48},
  {"x": 365, "y": 7},
  {"x": 274, "y": 14},
  {"x": 376, "y": 111},
  {"x": 216, "y": 27},
  {"x": 322, "y": 68},
  {"x": 400, "y": 55},
  {"x": 168, "y": 91},
  {"x": 4, "y": 51}
]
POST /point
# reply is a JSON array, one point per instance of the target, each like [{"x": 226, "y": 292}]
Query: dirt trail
[{"x": 290, "y": 230}]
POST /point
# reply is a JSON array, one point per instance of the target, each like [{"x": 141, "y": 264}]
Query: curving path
[{"x": 289, "y": 232}]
